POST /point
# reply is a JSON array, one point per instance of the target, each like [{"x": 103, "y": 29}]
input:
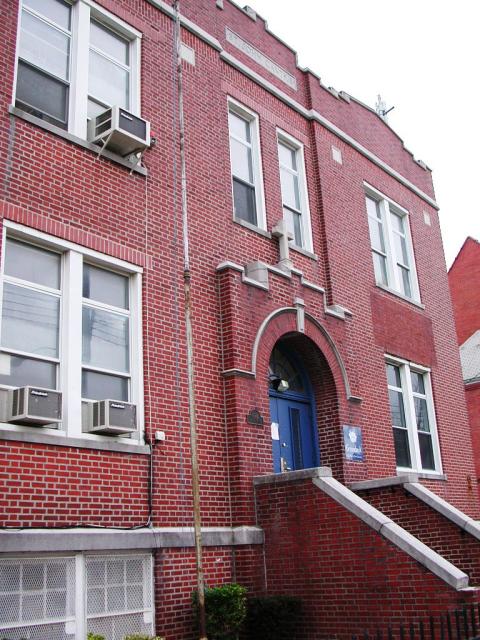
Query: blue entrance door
[{"x": 292, "y": 421}]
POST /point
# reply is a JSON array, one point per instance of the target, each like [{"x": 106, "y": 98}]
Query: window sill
[
  {"x": 303, "y": 251},
  {"x": 40, "y": 437},
  {"x": 399, "y": 295},
  {"x": 422, "y": 475},
  {"x": 51, "y": 128},
  {"x": 252, "y": 227}
]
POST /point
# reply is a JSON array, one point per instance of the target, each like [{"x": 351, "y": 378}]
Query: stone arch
[
  {"x": 283, "y": 321},
  {"x": 325, "y": 368}
]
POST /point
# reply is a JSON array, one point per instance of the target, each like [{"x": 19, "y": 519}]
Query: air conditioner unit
[
  {"x": 119, "y": 131},
  {"x": 112, "y": 417},
  {"x": 34, "y": 406}
]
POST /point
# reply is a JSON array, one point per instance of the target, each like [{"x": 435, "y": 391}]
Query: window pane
[
  {"x": 108, "y": 82},
  {"x": 402, "y": 451},
  {"x": 101, "y": 386},
  {"x": 380, "y": 268},
  {"x": 33, "y": 577},
  {"x": 18, "y": 372},
  {"x": 290, "y": 190},
  {"x": 244, "y": 202},
  {"x": 294, "y": 225},
  {"x": 45, "y": 46},
  {"x": 405, "y": 280},
  {"x": 239, "y": 126},
  {"x": 426, "y": 451},
  {"x": 421, "y": 414},
  {"x": 397, "y": 223},
  {"x": 418, "y": 385},
  {"x": 372, "y": 208},
  {"x": 55, "y": 10},
  {"x": 393, "y": 375},
  {"x": 42, "y": 95},
  {"x": 376, "y": 234},
  {"x": 105, "y": 286},
  {"x": 109, "y": 42},
  {"x": 94, "y": 108},
  {"x": 30, "y": 263},
  {"x": 396, "y": 408},
  {"x": 30, "y": 321},
  {"x": 401, "y": 253},
  {"x": 287, "y": 156},
  {"x": 105, "y": 340},
  {"x": 241, "y": 156}
]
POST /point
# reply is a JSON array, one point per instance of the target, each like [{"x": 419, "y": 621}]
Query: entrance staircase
[{"x": 364, "y": 558}]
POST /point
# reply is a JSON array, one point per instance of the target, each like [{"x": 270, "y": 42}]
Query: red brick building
[
  {"x": 324, "y": 341},
  {"x": 463, "y": 277}
]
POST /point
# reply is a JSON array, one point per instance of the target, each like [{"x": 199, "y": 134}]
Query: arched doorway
[{"x": 294, "y": 432}]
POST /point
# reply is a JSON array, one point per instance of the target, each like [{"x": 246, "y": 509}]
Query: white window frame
[
  {"x": 306, "y": 226},
  {"x": 252, "y": 118},
  {"x": 82, "y": 12},
  {"x": 406, "y": 368},
  {"x": 70, "y": 345},
  {"x": 76, "y": 625},
  {"x": 388, "y": 208}
]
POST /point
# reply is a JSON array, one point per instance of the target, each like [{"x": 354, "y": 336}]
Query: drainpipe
[{"x": 189, "y": 338}]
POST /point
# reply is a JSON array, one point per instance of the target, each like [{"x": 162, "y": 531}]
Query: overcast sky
[{"x": 422, "y": 56}]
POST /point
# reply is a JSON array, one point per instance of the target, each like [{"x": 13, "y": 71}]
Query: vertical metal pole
[{"x": 189, "y": 338}]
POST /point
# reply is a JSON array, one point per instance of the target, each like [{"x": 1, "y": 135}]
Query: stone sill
[
  {"x": 40, "y": 437},
  {"x": 51, "y": 128}
]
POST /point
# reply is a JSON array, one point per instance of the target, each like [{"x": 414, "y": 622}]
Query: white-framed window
[
  {"x": 296, "y": 211},
  {"x": 392, "y": 251},
  {"x": 74, "y": 59},
  {"x": 66, "y": 597},
  {"x": 246, "y": 165},
  {"x": 412, "y": 411},
  {"x": 71, "y": 321}
]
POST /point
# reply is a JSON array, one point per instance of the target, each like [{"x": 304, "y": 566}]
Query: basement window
[{"x": 64, "y": 598}]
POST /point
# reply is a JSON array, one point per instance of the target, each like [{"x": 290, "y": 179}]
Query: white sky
[{"x": 422, "y": 56}]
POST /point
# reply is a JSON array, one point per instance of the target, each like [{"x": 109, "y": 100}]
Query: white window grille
[
  {"x": 37, "y": 599},
  {"x": 64, "y": 598}
]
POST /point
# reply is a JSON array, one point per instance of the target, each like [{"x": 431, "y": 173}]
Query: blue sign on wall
[{"x": 352, "y": 439}]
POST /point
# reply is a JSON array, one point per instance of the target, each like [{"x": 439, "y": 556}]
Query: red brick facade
[
  {"x": 463, "y": 279},
  {"x": 326, "y": 310}
]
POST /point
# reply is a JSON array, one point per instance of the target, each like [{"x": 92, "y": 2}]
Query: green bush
[
  {"x": 225, "y": 610},
  {"x": 273, "y": 617},
  {"x": 94, "y": 636}
]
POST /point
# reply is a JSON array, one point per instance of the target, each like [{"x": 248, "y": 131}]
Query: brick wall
[
  {"x": 53, "y": 185},
  {"x": 426, "y": 524},
  {"x": 463, "y": 275},
  {"x": 348, "y": 576}
]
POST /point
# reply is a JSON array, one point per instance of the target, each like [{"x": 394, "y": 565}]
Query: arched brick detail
[{"x": 283, "y": 322}]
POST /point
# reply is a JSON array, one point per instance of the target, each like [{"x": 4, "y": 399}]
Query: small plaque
[
  {"x": 255, "y": 418},
  {"x": 275, "y": 431},
  {"x": 352, "y": 439}
]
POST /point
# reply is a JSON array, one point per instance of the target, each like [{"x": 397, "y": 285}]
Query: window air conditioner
[
  {"x": 119, "y": 131},
  {"x": 34, "y": 406},
  {"x": 111, "y": 417}
]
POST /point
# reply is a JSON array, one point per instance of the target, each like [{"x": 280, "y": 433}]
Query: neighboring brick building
[
  {"x": 464, "y": 280},
  {"x": 321, "y": 312}
]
